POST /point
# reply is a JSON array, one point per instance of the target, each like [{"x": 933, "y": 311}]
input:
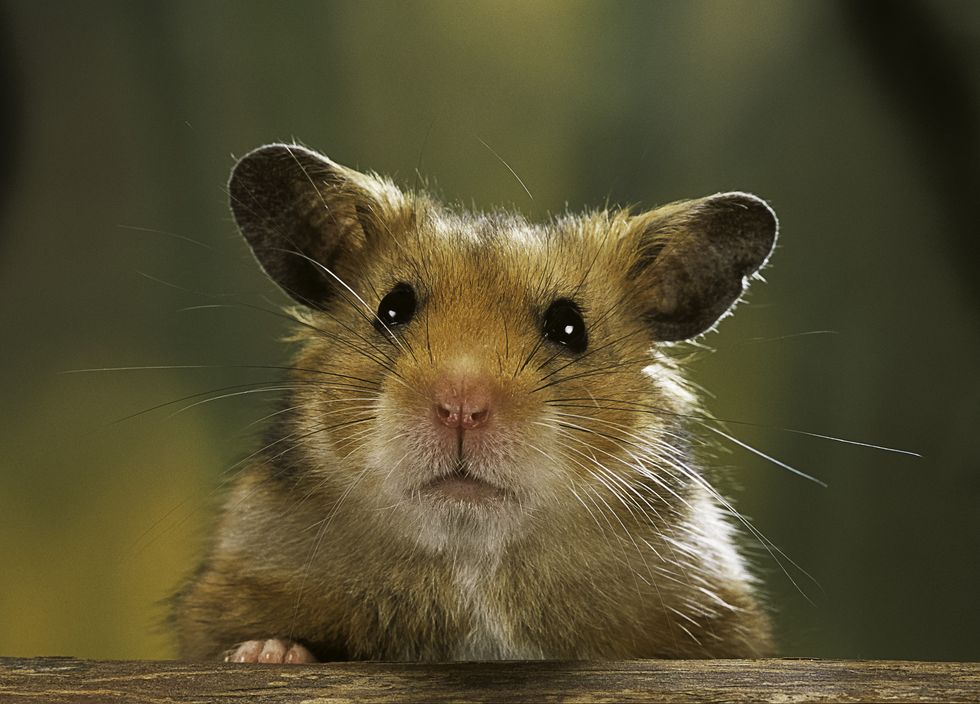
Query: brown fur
[{"x": 611, "y": 543}]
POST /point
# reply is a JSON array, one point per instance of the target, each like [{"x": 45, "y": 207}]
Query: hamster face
[
  {"x": 505, "y": 392},
  {"x": 465, "y": 375}
]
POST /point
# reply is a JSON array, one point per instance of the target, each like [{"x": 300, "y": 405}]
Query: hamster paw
[{"x": 273, "y": 650}]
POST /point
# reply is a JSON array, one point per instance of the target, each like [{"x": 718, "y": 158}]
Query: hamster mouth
[{"x": 463, "y": 486}]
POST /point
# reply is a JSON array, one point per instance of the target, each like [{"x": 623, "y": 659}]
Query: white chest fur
[{"x": 491, "y": 636}]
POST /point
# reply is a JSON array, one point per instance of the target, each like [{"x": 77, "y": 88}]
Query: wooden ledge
[{"x": 62, "y": 680}]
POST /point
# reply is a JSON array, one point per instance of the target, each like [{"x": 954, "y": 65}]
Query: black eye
[
  {"x": 563, "y": 325},
  {"x": 396, "y": 308}
]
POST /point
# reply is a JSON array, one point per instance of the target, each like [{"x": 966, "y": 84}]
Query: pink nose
[{"x": 463, "y": 404}]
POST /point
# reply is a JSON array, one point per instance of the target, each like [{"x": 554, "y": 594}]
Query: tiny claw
[{"x": 271, "y": 651}]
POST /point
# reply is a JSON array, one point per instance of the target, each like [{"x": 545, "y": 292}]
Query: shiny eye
[
  {"x": 563, "y": 325},
  {"x": 396, "y": 308}
]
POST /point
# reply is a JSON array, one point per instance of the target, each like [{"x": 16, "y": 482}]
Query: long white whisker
[{"x": 763, "y": 455}]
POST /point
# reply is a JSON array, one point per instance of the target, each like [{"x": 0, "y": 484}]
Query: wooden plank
[{"x": 66, "y": 680}]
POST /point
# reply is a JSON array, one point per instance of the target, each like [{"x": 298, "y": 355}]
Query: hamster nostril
[
  {"x": 470, "y": 413},
  {"x": 449, "y": 416},
  {"x": 475, "y": 419},
  {"x": 462, "y": 402},
  {"x": 464, "y": 417}
]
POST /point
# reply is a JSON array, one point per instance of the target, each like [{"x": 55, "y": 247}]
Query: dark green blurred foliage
[{"x": 858, "y": 124}]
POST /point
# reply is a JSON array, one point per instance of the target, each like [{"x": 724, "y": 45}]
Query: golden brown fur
[{"x": 610, "y": 542}]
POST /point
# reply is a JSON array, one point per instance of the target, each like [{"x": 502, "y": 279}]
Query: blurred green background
[{"x": 857, "y": 121}]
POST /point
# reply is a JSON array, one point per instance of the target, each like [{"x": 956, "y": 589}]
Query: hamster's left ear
[{"x": 691, "y": 260}]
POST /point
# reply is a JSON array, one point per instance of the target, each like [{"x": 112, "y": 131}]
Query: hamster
[{"x": 485, "y": 450}]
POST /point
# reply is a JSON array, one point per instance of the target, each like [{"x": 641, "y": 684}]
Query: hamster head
[{"x": 466, "y": 376}]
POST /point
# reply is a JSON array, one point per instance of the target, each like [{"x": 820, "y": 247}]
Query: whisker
[
  {"x": 507, "y": 166},
  {"x": 763, "y": 455},
  {"x": 598, "y": 371},
  {"x": 174, "y": 235},
  {"x": 640, "y": 407},
  {"x": 159, "y": 367},
  {"x": 184, "y": 289},
  {"x": 790, "y": 336},
  {"x": 776, "y": 553},
  {"x": 371, "y": 313},
  {"x": 319, "y": 332}
]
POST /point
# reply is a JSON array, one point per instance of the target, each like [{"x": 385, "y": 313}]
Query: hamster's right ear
[{"x": 308, "y": 220}]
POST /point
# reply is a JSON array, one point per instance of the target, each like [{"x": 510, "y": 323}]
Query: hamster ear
[
  {"x": 692, "y": 260},
  {"x": 302, "y": 215}
]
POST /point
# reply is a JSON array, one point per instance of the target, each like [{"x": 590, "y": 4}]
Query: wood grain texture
[{"x": 64, "y": 680}]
